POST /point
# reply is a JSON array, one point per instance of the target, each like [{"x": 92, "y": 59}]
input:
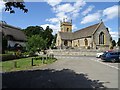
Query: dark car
[{"x": 111, "y": 56}]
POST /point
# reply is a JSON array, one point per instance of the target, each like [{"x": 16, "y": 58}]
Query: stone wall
[{"x": 73, "y": 52}]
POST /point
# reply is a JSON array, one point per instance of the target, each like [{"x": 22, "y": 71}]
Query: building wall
[
  {"x": 65, "y": 25},
  {"x": 81, "y": 42},
  {"x": 12, "y": 43},
  {"x": 93, "y": 41},
  {"x": 107, "y": 36},
  {"x": 58, "y": 40}
]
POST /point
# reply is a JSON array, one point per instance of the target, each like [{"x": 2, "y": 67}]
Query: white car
[{"x": 98, "y": 55}]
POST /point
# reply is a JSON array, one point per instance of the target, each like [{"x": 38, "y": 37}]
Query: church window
[
  {"x": 101, "y": 38},
  {"x": 86, "y": 42},
  {"x": 67, "y": 29},
  {"x": 65, "y": 43}
]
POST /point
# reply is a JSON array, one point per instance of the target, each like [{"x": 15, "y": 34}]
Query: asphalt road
[{"x": 67, "y": 72}]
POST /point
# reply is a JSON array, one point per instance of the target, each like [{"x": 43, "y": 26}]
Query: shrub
[{"x": 6, "y": 57}]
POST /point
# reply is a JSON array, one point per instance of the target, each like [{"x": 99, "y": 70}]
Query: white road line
[{"x": 106, "y": 64}]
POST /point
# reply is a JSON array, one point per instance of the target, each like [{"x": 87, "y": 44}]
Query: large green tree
[
  {"x": 37, "y": 30},
  {"x": 54, "y": 41},
  {"x": 118, "y": 43},
  {"x": 47, "y": 35},
  {"x": 34, "y": 30},
  {"x": 36, "y": 43},
  {"x": 113, "y": 43}
]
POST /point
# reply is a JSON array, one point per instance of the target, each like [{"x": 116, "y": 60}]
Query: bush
[{"x": 6, "y": 57}]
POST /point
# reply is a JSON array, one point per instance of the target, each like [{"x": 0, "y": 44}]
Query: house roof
[
  {"x": 85, "y": 32},
  {"x": 15, "y": 32}
]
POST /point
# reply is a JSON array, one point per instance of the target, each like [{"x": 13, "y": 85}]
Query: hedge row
[{"x": 6, "y": 57}]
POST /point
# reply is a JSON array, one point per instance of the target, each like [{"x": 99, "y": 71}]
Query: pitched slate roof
[
  {"x": 86, "y": 32},
  {"x": 82, "y": 33},
  {"x": 66, "y": 35},
  {"x": 15, "y": 32}
]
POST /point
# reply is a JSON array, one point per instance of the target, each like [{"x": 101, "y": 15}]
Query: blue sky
[{"x": 50, "y": 13}]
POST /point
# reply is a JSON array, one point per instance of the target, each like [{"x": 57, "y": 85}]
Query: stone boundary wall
[{"x": 74, "y": 52}]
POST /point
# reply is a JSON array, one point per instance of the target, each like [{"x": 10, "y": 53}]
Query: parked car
[
  {"x": 111, "y": 56},
  {"x": 98, "y": 55}
]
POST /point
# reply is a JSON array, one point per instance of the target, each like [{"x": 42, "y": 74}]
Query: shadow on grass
[{"x": 49, "y": 78}]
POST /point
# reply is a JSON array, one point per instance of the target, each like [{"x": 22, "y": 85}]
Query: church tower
[{"x": 66, "y": 26}]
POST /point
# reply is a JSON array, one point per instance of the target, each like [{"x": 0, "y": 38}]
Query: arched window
[
  {"x": 65, "y": 43},
  {"x": 86, "y": 42},
  {"x": 101, "y": 38},
  {"x": 67, "y": 29},
  {"x": 78, "y": 43}
]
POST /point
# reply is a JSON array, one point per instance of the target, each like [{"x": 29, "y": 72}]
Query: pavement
[{"x": 67, "y": 72}]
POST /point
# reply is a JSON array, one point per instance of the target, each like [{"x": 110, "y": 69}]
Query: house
[
  {"x": 14, "y": 35},
  {"x": 96, "y": 36}
]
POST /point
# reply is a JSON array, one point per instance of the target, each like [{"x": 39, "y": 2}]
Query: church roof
[
  {"x": 82, "y": 33},
  {"x": 66, "y": 35},
  {"x": 15, "y": 32},
  {"x": 85, "y": 32}
]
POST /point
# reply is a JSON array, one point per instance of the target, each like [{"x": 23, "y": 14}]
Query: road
[{"x": 67, "y": 72}]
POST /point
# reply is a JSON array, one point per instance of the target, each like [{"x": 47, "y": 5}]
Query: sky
[{"x": 51, "y": 12}]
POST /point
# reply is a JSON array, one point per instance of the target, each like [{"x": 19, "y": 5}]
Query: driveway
[{"x": 66, "y": 72}]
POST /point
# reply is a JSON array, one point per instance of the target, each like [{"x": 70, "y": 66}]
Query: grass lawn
[{"x": 23, "y": 64}]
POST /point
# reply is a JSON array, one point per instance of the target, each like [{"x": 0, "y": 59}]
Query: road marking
[{"x": 106, "y": 64}]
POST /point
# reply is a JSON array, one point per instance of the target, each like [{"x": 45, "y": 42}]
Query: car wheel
[
  {"x": 100, "y": 56},
  {"x": 113, "y": 60}
]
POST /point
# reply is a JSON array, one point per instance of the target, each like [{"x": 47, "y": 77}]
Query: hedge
[{"x": 6, "y": 57}]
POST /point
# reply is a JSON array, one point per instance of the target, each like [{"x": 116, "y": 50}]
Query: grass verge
[{"x": 23, "y": 64}]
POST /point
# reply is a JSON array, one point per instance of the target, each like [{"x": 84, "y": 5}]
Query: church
[{"x": 96, "y": 36}]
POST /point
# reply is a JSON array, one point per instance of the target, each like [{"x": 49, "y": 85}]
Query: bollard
[
  {"x": 42, "y": 60},
  {"x": 32, "y": 62},
  {"x": 15, "y": 64}
]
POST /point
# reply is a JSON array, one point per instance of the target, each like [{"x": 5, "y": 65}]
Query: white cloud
[
  {"x": 53, "y": 20},
  {"x": 91, "y": 18},
  {"x": 111, "y": 12},
  {"x": 114, "y": 34},
  {"x": 55, "y": 27},
  {"x": 64, "y": 8},
  {"x": 89, "y": 9},
  {"x": 74, "y": 27},
  {"x": 61, "y": 15},
  {"x": 53, "y": 2},
  {"x": 67, "y": 10},
  {"x": 106, "y": 14},
  {"x": 79, "y": 3},
  {"x": 2, "y": 5}
]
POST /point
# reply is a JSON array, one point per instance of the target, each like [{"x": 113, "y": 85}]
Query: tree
[
  {"x": 4, "y": 44},
  {"x": 36, "y": 43},
  {"x": 37, "y": 30},
  {"x": 113, "y": 43},
  {"x": 34, "y": 30},
  {"x": 10, "y": 5},
  {"x": 118, "y": 43},
  {"x": 54, "y": 41},
  {"x": 47, "y": 35}
]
